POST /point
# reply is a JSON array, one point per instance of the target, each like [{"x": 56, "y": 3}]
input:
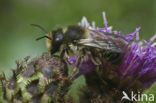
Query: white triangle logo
[{"x": 125, "y": 96}]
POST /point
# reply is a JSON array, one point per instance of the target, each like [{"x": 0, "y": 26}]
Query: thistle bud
[{"x": 44, "y": 79}]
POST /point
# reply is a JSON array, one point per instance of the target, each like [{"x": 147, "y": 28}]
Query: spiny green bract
[{"x": 42, "y": 80}]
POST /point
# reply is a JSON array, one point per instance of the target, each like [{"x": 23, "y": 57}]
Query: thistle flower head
[
  {"x": 136, "y": 72},
  {"x": 139, "y": 62}
]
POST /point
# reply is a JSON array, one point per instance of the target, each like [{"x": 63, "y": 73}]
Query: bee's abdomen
[{"x": 112, "y": 57}]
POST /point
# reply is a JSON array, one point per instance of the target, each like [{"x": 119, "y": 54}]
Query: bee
[{"x": 78, "y": 40}]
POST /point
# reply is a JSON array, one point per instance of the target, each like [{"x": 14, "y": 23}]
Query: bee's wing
[
  {"x": 100, "y": 44},
  {"x": 111, "y": 42}
]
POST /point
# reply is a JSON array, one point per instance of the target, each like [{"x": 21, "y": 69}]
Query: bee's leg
[
  {"x": 78, "y": 62},
  {"x": 63, "y": 52},
  {"x": 95, "y": 59}
]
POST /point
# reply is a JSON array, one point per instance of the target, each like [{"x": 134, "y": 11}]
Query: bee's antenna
[
  {"x": 43, "y": 37},
  {"x": 38, "y": 26}
]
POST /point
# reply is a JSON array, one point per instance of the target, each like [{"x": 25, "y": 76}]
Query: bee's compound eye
[{"x": 59, "y": 37}]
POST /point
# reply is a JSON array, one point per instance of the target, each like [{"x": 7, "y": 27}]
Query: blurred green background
[{"x": 17, "y": 37}]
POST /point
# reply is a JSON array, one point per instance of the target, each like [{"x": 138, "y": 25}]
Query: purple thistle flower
[{"x": 139, "y": 63}]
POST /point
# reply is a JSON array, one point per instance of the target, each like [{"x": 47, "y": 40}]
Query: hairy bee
[{"x": 77, "y": 40}]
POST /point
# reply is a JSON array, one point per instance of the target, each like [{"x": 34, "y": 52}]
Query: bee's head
[{"x": 54, "y": 39}]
